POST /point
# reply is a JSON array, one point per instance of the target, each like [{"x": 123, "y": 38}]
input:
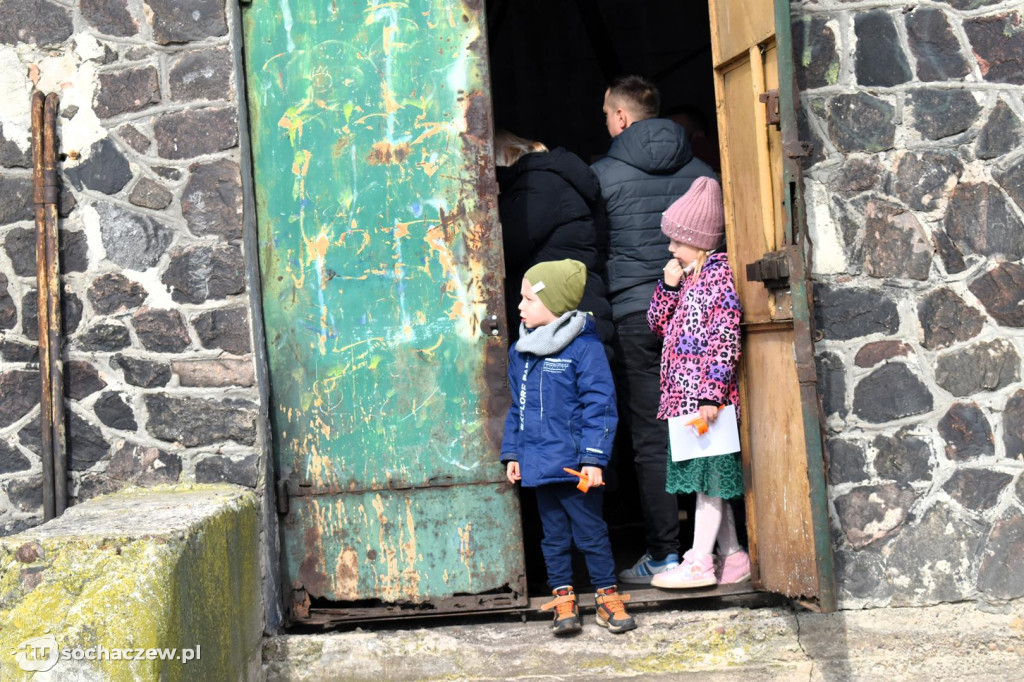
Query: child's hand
[
  {"x": 709, "y": 413},
  {"x": 512, "y": 472},
  {"x": 594, "y": 475},
  {"x": 673, "y": 273}
]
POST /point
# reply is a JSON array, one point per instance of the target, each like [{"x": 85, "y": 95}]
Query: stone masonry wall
[
  {"x": 158, "y": 352},
  {"x": 915, "y": 193}
]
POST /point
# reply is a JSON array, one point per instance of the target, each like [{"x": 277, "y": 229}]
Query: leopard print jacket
[{"x": 701, "y": 326}]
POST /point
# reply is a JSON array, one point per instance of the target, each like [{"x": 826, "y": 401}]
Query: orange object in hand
[
  {"x": 699, "y": 425},
  {"x": 584, "y": 484}
]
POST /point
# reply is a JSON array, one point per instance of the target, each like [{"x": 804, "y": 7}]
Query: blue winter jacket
[{"x": 563, "y": 410}]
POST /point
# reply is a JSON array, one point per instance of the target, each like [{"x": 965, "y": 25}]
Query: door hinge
[
  {"x": 798, "y": 149},
  {"x": 282, "y": 496},
  {"x": 771, "y": 101},
  {"x": 772, "y": 270}
]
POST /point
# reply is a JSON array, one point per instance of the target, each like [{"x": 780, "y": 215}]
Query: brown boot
[
  {"x": 567, "y": 612},
  {"x": 611, "y": 613}
]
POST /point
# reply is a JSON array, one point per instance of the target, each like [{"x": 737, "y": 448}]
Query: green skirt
[{"x": 718, "y": 476}]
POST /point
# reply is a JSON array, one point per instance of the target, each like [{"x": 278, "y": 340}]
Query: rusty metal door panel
[
  {"x": 396, "y": 546},
  {"x": 786, "y": 502},
  {"x": 380, "y": 256}
]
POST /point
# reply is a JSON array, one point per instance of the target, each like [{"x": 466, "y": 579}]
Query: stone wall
[
  {"x": 915, "y": 193},
  {"x": 159, "y": 359}
]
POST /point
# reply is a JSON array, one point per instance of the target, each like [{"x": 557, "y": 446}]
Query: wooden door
[
  {"x": 380, "y": 257},
  {"x": 782, "y": 446}
]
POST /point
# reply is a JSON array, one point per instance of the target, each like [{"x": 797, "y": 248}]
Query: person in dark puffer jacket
[
  {"x": 649, "y": 165},
  {"x": 547, "y": 205}
]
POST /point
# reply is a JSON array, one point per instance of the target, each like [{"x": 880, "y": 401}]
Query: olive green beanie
[{"x": 558, "y": 284}]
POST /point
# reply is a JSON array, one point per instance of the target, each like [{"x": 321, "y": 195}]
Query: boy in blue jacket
[{"x": 563, "y": 416}]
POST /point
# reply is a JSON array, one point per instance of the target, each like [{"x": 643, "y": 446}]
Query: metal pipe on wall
[
  {"x": 46, "y": 194},
  {"x": 42, "y": 300},
  {"x": 51, "y": 185}
]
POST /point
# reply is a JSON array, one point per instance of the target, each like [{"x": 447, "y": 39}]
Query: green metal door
[{"x": 380, "y": 256}]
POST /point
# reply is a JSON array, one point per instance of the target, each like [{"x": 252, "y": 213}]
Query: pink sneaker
[
  {"x": 695, "y": 571},
  {"x": 735, "y": 568}
]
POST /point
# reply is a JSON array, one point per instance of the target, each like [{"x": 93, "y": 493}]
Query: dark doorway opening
[{"x": 550, "y": 63}]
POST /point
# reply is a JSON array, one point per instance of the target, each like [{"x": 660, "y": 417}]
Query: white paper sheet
[{"x": 722, "y": 437}]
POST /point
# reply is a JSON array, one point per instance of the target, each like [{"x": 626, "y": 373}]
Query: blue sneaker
[{"x": 645, "y": 568}]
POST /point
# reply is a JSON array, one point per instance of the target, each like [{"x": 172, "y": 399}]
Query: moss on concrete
[{"x": 170, "y": 567}]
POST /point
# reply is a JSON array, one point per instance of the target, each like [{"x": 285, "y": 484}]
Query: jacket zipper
[{"x": 542, "y": 393}]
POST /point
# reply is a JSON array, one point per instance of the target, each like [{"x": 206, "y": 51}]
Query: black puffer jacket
[
  {"x": 649, "y": 165},
  {"x": 547, "y": 204}
]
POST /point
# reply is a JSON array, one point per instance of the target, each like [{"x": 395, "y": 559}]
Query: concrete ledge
[
  {"x": 159, "y": 568},
  {"x": 948, "y": 642}
]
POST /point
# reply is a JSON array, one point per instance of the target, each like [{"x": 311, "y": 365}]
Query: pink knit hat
[{"x": 697, "y": 218}]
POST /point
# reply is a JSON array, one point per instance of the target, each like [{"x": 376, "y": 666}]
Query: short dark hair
[{"x": 640, "y": 95}]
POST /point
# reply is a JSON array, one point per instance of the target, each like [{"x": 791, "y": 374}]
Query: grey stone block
[
  {"x": 1001, "y": 291},
  {"x": 967, "y": 432},
  {"x": 105, "y": 169},
  {"x": 987, "y": 366},
  {"x": 871, "y": 513},
  {"x": 1002, "y": 572},
  {"x": 110, "y": 17},
  {"x": 144, "y": 373},
  {"x": 998, "y": 45},
  {"x": 11, "y": 459},
  {"x": 924, "y": 179},
  {"x": 114, "y": 412},
  {"x": 935, "y": 46},
  {"x": 976, "y": 489},
  {"x": 132, "y": 240},
  {"x": 902, "y": 458},
  {"x": 895, "y": 243},
  {"x": 37, "y": 22},
  {"x": 846, "y": 313},
  {"x": 182, "y": 21},
  {"x": 81, "y": 379},
  {"x": 891, "y": 392},
  {"x": 224, "y": 328},
  {"x": 846, "y": 461},
  {"x": 161, "y": 331},
  {"x": 212, "y": 200},
  {"x": 946, "y": 319},
  {"x": 195, "y": 132},
  {"x": 980, "y": 220},
  {"x": 200, "y": 273},
  {"x": 222, "y": 469},
  {"x": 942, "y": 113},
  {"x": 860, "y": 123},
  {"x": 150, "y": 194},
  {"x": 1001, "y": 133},
  {"x": 104, "y": 336},
  {"x": 115, "y": 293},
  {"x": 879, "y": 59},
  {"x": 126, "y": 91},
  {"x": 194, "y": 421}
]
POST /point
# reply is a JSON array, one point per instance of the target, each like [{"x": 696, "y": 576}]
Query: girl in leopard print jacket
[{"x": 697, "y": 311}]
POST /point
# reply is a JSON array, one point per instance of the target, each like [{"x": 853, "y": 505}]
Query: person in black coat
[{"x": 547, "y": 206}]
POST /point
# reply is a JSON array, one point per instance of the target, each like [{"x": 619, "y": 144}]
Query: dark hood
[
  {"x": 654, "y": 145},
  {"x": 561, "y": 162}
]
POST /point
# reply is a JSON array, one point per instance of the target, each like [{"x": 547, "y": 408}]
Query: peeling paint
[{"x": 376, "y": 205}]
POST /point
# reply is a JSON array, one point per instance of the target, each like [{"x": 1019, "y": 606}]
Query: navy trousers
[{"x": 568, "y": 516}]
